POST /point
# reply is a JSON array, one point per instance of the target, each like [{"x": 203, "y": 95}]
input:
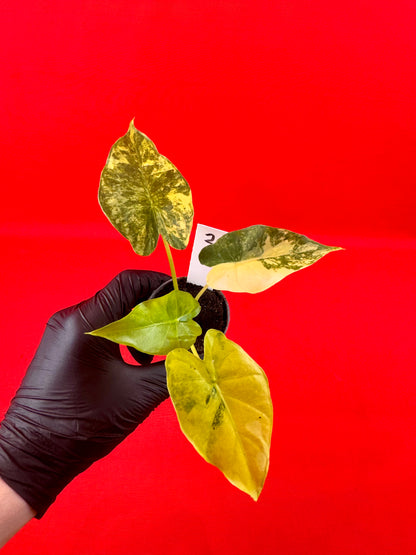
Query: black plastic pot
[{"x": 215, "y": 312}]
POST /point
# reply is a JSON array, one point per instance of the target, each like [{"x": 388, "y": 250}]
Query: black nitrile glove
[{"x": 78, "y": 399}]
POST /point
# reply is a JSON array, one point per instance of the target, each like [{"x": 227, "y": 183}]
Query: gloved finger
[
  {"x": 147, "y": 390},
  {"x": 117, "y": 299},
  {"x": 142, "y": 358}
]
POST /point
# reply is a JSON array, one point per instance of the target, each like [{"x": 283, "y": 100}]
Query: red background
[{"x": 293, "y": 114}]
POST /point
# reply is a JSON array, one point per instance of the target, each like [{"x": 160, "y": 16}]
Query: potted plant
[{"x": 221, "y": 395}]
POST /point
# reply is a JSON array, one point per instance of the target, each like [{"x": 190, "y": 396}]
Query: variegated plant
[{"x": 222, "y": 401}]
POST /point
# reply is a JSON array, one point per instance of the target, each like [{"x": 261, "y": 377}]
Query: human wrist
[{"x": 15, "y": 512}]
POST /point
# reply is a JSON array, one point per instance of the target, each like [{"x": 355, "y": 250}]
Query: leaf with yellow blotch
[
  {"x": 253, "y": 259},
  {"x": 224, "y": 408},
  {"x": 144, "y": 195}
]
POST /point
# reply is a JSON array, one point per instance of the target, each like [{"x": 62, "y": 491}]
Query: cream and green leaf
[
  {"x": 224, "y": 408},
  {"x": 253, "y": 259},
  {"x": 158, "y": 325},
  {"x": 144, "y": 195}
]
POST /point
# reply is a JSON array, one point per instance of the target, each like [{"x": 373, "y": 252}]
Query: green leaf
[
  {"x": 144, "y": 195},
  {"x": 253, "y": 259},
  {"x": 158, "y": 325},
  {"x": 224, "y": 409}
]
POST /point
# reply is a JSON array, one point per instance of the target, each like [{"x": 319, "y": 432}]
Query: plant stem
[
  {"x": 201, "y": 292},
  {"x": 194, "y": 351},
  {"x": 171, "y": 264}
]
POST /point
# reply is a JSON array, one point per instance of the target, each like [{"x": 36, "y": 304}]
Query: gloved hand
[{"x": 78, "y": 399}]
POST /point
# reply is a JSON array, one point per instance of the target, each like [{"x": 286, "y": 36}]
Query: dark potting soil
[{"x": 214, "y": 309}]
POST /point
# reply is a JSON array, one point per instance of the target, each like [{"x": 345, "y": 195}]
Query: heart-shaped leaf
[
  {"x": 253, "y": 259},
  {"x": 224, "y": 408},
  {"x": 158, "y": 325},
  {"x": 144, "y": 195}
]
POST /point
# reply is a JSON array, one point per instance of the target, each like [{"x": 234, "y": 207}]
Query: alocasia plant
[{"x": 222, "y": 401}]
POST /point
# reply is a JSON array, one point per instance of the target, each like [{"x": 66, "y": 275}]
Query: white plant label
[{"x": 204, "y": 236}]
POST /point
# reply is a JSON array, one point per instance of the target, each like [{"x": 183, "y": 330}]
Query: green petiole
[
  {"x": 171, "y": 264},
  {"x": 201, "y": 292}
]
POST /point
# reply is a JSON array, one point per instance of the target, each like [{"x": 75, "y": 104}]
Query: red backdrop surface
[{"x": 292, "y": 114}]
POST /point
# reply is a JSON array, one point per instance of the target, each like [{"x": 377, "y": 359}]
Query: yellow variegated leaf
[
  {"x": 253, "y": 259},
  {"x": 144, "y": 195},
  {"x": 224, "y": 408}
]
